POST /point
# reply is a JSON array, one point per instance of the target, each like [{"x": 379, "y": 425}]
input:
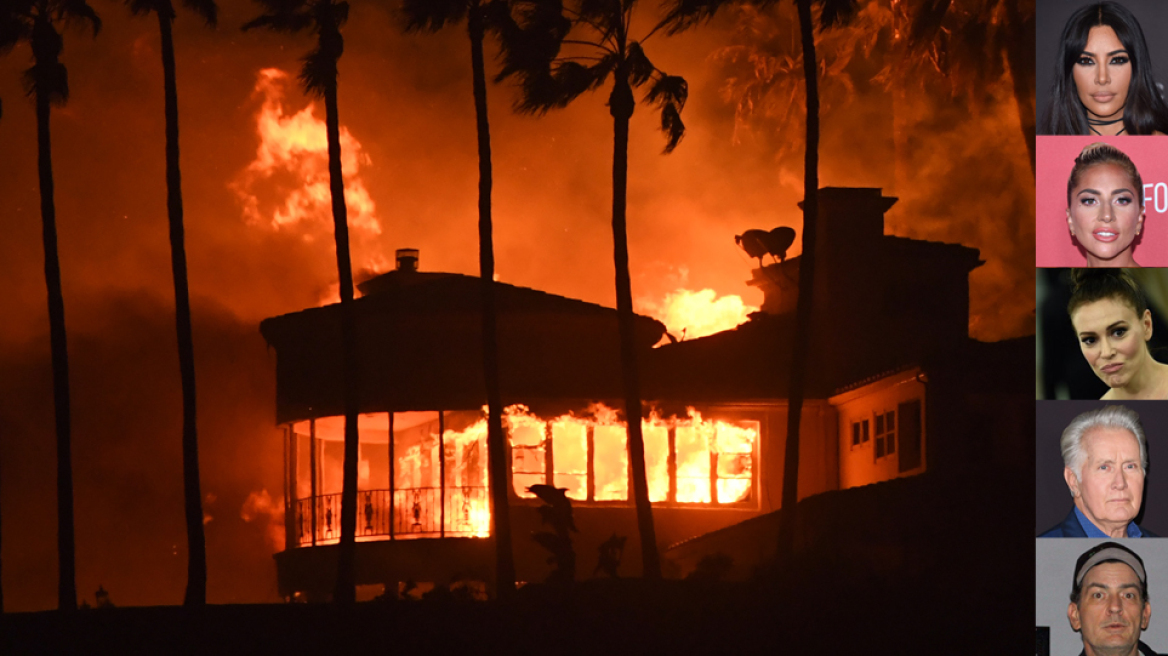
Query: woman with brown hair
[{"x": 1113, "y": 324}]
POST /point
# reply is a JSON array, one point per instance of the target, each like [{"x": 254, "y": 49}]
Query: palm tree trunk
[
  {"x": 196, "y": 594},
  {"x": 1, "y": 539},
  {"x": 621, "y": 105},
  {"x": 345, "y": 593},
  {"x": 1020, "y": 61},
  {"x": 66, "y": 582},
  {"x": 806, "y": 279},
  {"x": 496, "y": 446}
]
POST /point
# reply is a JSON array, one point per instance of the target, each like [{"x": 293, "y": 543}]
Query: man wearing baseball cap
[{"x": 1109, "y": 601}]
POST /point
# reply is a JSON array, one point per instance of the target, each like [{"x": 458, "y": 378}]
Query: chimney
[
  {"x": 849, "y": 239},
  {"x": 407, "y": 259}
]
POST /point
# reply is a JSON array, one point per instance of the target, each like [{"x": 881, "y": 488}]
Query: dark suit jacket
[{"x": 1071, "y": 528}]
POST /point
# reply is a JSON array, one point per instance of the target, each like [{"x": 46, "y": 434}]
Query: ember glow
[
  {"x": 586, "y": 454},
  {"x": 688, "y": 314}
]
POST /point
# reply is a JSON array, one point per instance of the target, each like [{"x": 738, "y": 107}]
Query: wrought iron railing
[{"x": 415, "y": 513}]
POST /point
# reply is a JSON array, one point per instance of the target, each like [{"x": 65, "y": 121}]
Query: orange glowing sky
[{"x": 406, "y": 101}]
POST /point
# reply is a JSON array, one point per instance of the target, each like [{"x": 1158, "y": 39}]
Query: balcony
[{"x": 424, "y": 512}]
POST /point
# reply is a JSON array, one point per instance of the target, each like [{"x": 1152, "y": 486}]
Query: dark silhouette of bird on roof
[{"x": 775, "y": 243}]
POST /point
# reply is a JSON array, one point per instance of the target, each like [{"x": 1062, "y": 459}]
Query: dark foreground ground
[
  {"x": 934, "y": 565},
  {"x": 807, "y": 613}
]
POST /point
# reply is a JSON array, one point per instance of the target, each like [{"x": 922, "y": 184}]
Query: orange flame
[
  {"x": 688, "y": 460},
  {"x": 286, "y": 186},
  {"x": 690, "y": 314}
]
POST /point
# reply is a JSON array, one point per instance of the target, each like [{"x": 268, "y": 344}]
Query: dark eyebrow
[
  {"x": 1113, "y": 52},
  {"x": 1117, "y": 324},
  {"x": 1121, "y": 190}
]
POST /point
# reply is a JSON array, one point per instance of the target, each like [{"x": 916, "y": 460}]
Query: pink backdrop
[{"x": 1056, "y": 156}]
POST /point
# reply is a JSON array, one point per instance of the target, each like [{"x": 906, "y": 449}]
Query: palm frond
[
  {"x": 669, "y": 90},
  {"x": 296, "y": 22},
  {"x": 432, "y": 15},
  {"x": 320, "y": 65},
  {"x": 640, "y": 68},
  {"x": 528, "y": 43},
  {"x": 605, "y": 16},
  {"x": 144, "y": 7},
  {"x": 681, "y": 15},
  {"x": 15, "y": 26},
  {"x": 49, "y": 80},
  {"x": 669, "y": 93},
  {"x": 69, "y": 11},
  {"x": 562, "y": 84},
  {"x": 205, "y": 9},
  {"x": 283, "y": 16},
  {"x": 672, "y": 126}
]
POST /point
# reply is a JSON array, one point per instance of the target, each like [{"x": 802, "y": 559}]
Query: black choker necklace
[{"x": 1092, "y": 123}]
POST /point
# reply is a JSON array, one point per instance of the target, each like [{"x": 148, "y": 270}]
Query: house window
[
  {"x": 686, "y": 461},
  {"x": 735, "y": 457},
  {"x": 656, "y": 440},
  {"x": 528, "y": 455},
  {"x": 860, "y": 432},
  {"x": 885, "y": 435},
  {"x": 911, "y": 438},
  {"x": 570, "y": 455},
  {"x": 610, "y": 463},
  {"x": 693, "y": 466}
]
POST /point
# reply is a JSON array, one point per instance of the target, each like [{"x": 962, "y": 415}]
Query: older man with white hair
[{"x": 1105, "y": 460}]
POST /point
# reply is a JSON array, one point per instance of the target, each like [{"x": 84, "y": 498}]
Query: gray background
[
  {"x": 1051, "y": 497},
  {"x": 1054, "y": 565},
  {"x": 1053, "y": 14}
]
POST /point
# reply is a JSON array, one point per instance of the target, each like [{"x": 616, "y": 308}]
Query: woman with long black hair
[{"x": 1103, "y": 82}]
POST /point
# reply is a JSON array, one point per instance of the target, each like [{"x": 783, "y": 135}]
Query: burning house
[{"x": 892, "y": 383}]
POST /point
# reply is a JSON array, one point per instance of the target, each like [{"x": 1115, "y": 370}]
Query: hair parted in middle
[{"x": 1145, "y": 111}]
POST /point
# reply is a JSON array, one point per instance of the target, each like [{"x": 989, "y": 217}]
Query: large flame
[
  {"x": 689, "y": 314},
  {"x": 286, "y": 186},
  {"x": 712, "y": 459},
  {"x": 688, "y": 460}
]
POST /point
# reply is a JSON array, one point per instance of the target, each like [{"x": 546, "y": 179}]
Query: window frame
[{"x": 729, "y": 415}]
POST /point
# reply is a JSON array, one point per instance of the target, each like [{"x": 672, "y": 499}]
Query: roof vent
[{"x": 407, "y": 259}]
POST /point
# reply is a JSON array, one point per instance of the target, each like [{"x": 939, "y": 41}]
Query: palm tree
[
  {"x": 600, "y": 31},
  {"x": 433, "y": 15},
  {"x": 319, "y": 76},
  {"x": 687, "y": 13},
  {"x": 1, "y": 532},
  {"x": 196, "y": 593},
  {"x": 47, "y": 82}
]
